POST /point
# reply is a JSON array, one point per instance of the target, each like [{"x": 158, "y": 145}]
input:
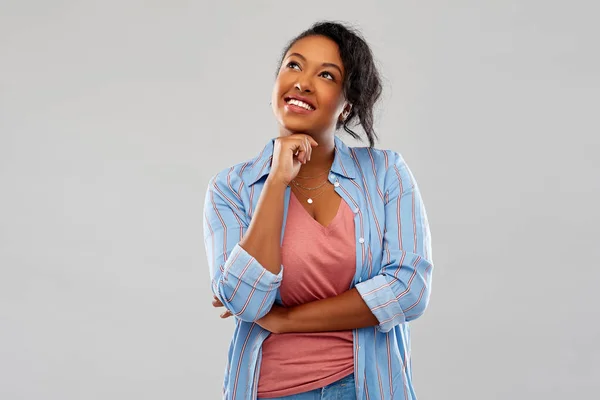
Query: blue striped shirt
[{"x": 393, "y": 265}]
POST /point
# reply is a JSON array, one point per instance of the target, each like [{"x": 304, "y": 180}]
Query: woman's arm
[
  {"x": 245, "y": 261},
  {"x": 400, "y": 291},
  {"x": 263, "y": 238},
  {"x": 345, "y": 311},
  {"x": 245, "y": 276}
]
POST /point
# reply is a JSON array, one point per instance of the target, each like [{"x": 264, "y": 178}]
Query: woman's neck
[{"x": 320, "y": 161}]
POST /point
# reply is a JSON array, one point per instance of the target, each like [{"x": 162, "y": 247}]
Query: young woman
[{"x": 321, "y": 252}]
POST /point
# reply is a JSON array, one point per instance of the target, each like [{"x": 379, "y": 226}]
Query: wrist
[
  {"x": 276, "y": 182},
  {"x": 287, "y": 322}
]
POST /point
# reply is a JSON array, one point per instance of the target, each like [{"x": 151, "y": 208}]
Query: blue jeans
[{"x": 342, "y": 389}]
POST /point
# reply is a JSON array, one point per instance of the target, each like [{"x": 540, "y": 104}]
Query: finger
[
  {"x": 226, "y": 314},
  {"x": 308, "y": 148},
  {"x": 299, "y": 155},
  {"x": 216, "y": 302},
  {"x": 301, "y": 150},
  {"x": 312, "y": 141},
  {"x": 297, "y": 150}
]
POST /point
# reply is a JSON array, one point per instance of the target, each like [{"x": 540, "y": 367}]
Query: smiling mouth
[{"x": 299, "y": 103}]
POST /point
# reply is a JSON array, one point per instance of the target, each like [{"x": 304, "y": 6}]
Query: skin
[{"x": 312, "y": 68}]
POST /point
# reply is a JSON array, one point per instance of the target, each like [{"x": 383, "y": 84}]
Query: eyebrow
[{"x": 324, "y": 64}]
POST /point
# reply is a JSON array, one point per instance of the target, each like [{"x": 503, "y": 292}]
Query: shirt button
[
  {"x": 360, "y": 279},
  {"x": 332, "y": 176},
  {"x": 361, "y": 240},
  {"x": 336, "y": 184}
]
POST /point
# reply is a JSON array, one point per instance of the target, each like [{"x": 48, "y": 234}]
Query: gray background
[{"x": 114, "y": 114}]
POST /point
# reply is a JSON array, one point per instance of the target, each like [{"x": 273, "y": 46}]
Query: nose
[{"x": 303, "y": 85}]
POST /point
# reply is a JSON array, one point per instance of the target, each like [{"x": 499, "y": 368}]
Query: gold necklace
[
  {"x": 311, "y": 177},
  {"x": 309, "y": 199},
  {"x": 309, "y": 188}
]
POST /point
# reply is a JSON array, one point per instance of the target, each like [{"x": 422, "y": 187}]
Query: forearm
[
  {"x": 262, "y": 239},
  {"x": 345, "y": 311}
]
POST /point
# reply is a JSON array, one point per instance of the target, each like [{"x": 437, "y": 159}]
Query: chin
[{"x": 297, "y": 126}]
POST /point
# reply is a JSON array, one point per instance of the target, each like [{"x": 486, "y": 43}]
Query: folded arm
[
  {"x": 244, "y": 258},
  {"x": 400, "y": 291}
]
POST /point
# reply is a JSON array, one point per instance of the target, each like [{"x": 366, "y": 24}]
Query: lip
[
  {"x": 295, "y": 109},
  {"x": 300, "y": 98}
]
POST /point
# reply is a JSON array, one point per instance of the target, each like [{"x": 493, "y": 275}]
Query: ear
[{"x": 345, "y": 112}]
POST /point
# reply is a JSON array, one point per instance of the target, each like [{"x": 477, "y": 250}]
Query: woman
[{"x": 347, "y": 225}]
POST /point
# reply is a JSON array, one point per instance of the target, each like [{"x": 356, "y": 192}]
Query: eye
[
  {"x": 327, "y": 74},
  {"x": 293, "y": 65}
]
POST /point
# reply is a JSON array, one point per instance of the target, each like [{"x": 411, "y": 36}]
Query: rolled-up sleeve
[
  {"x": 240, "y": 282},
  {"x": 401, "y": 290}
]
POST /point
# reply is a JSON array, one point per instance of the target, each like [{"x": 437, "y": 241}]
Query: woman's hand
[
  {"x": 217, "y": 303},
  {"x": 276, "y": 321},
  {"x": 289, "y": 153}
]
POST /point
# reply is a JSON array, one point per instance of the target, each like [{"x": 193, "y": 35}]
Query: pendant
[{"x": 309, "y": 201}]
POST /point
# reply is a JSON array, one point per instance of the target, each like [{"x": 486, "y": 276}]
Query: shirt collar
[{"x": 343, "y": 161}]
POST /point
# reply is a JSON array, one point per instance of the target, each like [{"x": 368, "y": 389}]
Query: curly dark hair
[{"x": 362, "y": 83}]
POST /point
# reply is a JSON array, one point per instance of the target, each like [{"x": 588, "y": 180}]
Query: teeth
[{"x": 299, "y": 104}]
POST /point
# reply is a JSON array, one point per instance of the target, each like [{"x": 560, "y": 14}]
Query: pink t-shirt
[{"x": 319, "y": 262}]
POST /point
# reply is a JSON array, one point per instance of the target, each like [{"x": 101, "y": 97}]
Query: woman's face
[{"x": 308, "y": 92}]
